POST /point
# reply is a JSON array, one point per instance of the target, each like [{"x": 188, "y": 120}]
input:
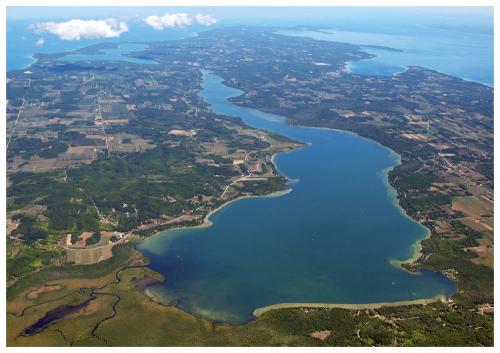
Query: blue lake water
[
  {"x": 468, "y": 55},
  {"x": 21, "y": 40},
  {"x": 113, "y": 54},
  {"x": 330, "y": 240}
]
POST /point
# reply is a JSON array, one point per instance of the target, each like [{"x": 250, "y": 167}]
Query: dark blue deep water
[{"x": 330, "y": 240}]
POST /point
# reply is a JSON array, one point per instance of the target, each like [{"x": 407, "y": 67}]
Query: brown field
[
  {"x": 74, "y": 156},
  {"x": 64, "y": 162},
  {"x": 186, "y": 133},
  {"x": 105, "y": 237},
  {"x": 87, "y": 256},
  {"x": 473, "y": 206},
  {"x": 485, "y": 252},
  {"x": 321, "y": 335},
  {"x": 81, "y": 150},
  {"x": 37, "y": 164},
  {"x": 442, "y": 227},
  {"x": 34, "y": 209},
  {"x": 96, "y": 137},
  {"x": 44, "y": 289},
  {"x": 219, "y": 148},
  {"x": 116, "y": 121},
  {"x": 137, "y": 143},
  {"x": 82, "y": 238},
  {"x": 415, "y": 137},
  {"x": 481, "y": 225}
]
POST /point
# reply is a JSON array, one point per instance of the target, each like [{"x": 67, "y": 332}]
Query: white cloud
[
  {"x": 40, "y": 42},
  {"x": 83, "y": 29},
  {"x": 169, "y": 20},
  {"x": 178, "y": 20},
  {"x": 205, "y": 19}
]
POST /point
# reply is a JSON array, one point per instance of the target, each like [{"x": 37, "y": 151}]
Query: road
[{"x": 15, "y": 123}]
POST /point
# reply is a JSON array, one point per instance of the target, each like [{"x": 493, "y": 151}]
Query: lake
[
  {"x": 22, "y": 41},
  {"x": 331, "y": 239},
  {"x": 113, "y": 54},
  {"x": 464, "y": 54}
]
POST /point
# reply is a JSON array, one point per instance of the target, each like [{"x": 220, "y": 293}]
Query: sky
[
  {"x": 299, "y": 14},
  {"x": 383, "y": 19}
]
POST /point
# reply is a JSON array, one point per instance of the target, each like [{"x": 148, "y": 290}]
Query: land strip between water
[{"x": 366, "y": 306}]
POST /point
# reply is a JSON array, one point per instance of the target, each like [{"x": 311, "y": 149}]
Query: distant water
[
  {"x": 330, "y": 240},
  {"x": 468, "y": 55},
  {"x": 22, "y": 41},
  {"x": 455, "y": 50},
  {"x": 113, "y": 54}
]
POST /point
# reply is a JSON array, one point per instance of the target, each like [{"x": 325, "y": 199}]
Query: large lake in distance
[
  {"x": 330, "y": 240},
  {"x": 455, "y": 51},
  {"x": 119, "y": 53}
]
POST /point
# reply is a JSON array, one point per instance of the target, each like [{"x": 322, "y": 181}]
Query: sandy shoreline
[
  {"x": 417, "y": 246},
  {"x": 206, "y": 220},
  {"x": 259, "y": 311}
]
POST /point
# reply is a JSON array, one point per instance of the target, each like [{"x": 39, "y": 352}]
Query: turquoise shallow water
[{"x": 330, "y": 240}]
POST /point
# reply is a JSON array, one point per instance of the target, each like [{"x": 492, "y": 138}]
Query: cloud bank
[
  {"x": 83, "y": 29},
  {"x": 40, "y": 42},
  {"x": 178, "y": 20}
]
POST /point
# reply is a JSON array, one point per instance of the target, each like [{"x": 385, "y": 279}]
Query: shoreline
[
  {"x": 367, "y": 47},
  {"x": 206, "y": 220},
  {"x": 393, "y": 192},
  {"x": 362, "y": 306},
  {"x": 416, "y": 246}
]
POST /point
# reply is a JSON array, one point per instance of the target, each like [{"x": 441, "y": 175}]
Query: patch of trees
[
  {"x": 94, "y": 239},
  {"x": 27, "y": 147},
  {"x": 28, "y": 229}
]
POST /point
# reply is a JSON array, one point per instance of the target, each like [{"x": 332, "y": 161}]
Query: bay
[
  {"x": 332, "y": 239},
  {"x": 450, "y": 50}
]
